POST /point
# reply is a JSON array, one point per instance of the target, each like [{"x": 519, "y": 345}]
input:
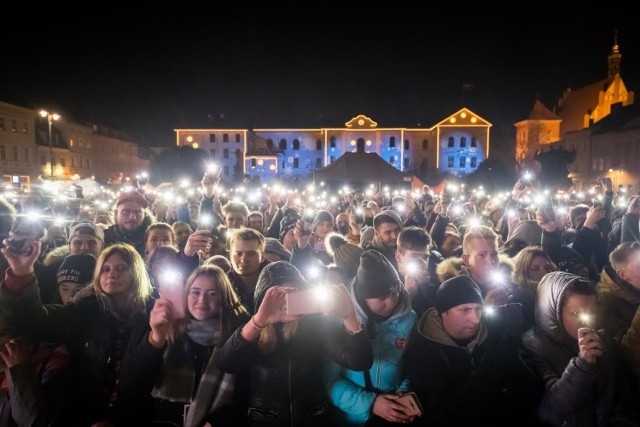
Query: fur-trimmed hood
[
  {"x": 56, "y": 256},
  {"x": 452, "y": 267}
]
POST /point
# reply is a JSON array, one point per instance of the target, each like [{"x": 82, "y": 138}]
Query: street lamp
[{"x": 50, "y": 119}]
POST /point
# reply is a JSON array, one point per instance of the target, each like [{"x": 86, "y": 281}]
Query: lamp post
[{"x": 50, "y": 118}]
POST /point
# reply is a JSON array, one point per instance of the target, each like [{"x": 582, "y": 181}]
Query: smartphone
[
  {"x": 411, "y": 402},
  {"x": 316, "y": 300},
  {"x": 171, "y": 288},
  {"x": 24, "y": 235}
]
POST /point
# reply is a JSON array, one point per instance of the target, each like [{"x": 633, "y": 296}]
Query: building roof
[
  {"x": 620, "y": 119},
  {"x": 361, "y": 168},
  {"x": 576, "y": 103},
  {"x": 540, "y": 112}
]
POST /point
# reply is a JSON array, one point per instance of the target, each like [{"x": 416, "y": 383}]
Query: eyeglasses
[{"x": 129, "y": 212}]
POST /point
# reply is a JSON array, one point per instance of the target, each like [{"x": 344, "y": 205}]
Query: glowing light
[{"x": 189, "y": 139}]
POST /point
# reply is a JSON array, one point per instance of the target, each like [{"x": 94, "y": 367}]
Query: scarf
[{"x": 204, "y": 332}]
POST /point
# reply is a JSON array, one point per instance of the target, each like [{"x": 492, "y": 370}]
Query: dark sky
[{"x": 261, "y": 68}]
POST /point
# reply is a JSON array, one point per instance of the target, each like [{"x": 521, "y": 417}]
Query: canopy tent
[{"x": 362, "y": 168}]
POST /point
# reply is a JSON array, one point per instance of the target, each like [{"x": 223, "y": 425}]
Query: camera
[
  {"x": 316, "y": 300},
  {"x": 24, "y": 235}
]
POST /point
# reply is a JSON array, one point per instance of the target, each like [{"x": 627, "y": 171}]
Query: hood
[
  {"x": 275, "y": 274},
  {"x": 452, "y": 267},
  {"x": 57, "y": 255},
  {"x": 612, "y": 284},
  {"x": 403, "y": 307},
  {"x": 549, "y": 300},
  {"x": 430, "y": 327}
]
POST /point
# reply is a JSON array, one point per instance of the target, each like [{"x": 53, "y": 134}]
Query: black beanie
[
  {"x": 457, "y": 291},
  {"x": 376, "y": 276},
  {"x": 77, "y": 269}
]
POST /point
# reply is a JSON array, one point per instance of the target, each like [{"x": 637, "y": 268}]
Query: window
[
  {"x": 392, "y": 142},
  {"x": 450, "y": 162},
  {"x": 43, "y": 160},
  {"x": 284, "y": 164},
  {"x": 296, "y": 144},
  {"x": 392, "y": 160},
  {"x": 226, "y": 170},
  {"x": 88, "y": 163},
  {"x": 225, "y": 153},
  {"x": 73, "y": 162},
  {"x": 253, "y": 162},
  {"x": 25, "y": 128},
  {"x": 212, "y": 137},
  {"x": 296, "y": 163},
  {"x": 270, "y": 144},
  {"x": 463, "y": 142},
  {"x": 14, "y": 125},
  {"x": 462, "y": 162},
  {"x": 237, "y": 137},
  {"x": 330, "y": 159},
  {"x": 26, "y": 154},
  {"x": 2, "y": 123},
  {"x": 318, "y": 144},
  {"x": 406, "y": 163},
  {"x": 474, "y": 142},
  {"x": 62, "y": 162},
  {"x": 213, "y": 152},
  {"x": 3, "y": 152},
  {"x": 332, "y": 142},
  {"x": 81, "y": 163},
  {"x": 318, "y": 163},
  {"x": 451, "y": 142},
  {"x": 406, "y": 144},
  {"x": 425, "y": 144},
  {"x": 282, "y": 144},
  {"x": 473, "y": 162},
  {"x": 15, "y": 154},
  {"x": 225, "y": 137}
]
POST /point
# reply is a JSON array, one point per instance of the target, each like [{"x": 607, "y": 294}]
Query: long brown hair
[
  {"x": 231, "y": 312},
  {"x": 522, "y": 263}
]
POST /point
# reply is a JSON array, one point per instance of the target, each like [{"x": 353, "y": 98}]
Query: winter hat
[
  {"x": 456, "y": 291},
  {"x": 385, "y": 216},
  {"x": 77, "y": 269},
  {"x": 132, "y": 196},
  {"x": 345, "y": 255},
  {"x": 288, "y": 221},
  {"x": 376, "y": 277},
  {"x": 322, "y": 216},
  {"x": 276, "y": 274},
  {"x": 87, "y": 228},
  {"x": 528, "y": 232},
  {"x": 366, "y": 234},
  {"x": 274, "y": 246}
]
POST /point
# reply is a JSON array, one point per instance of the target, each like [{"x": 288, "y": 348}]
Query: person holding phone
[
  {"x": 283, "y": 354},
  {"x": 177, "y": 364},
  {"x": 371, "y": 397},
  {"x": 103, "y": 325}
]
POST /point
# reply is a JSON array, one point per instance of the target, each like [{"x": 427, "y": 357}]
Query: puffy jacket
[{"x": 347, "y": 389}]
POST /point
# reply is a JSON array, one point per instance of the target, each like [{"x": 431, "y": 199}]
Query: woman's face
[
  {"x": 182, "y": 234},
  {"x": 115, "y": 275},
  {"x": 289, "y": 240},
  {"x": 539, "y": 267},
  {"x": 158, "y": 237},
  {"x": 203, "y": 300}
]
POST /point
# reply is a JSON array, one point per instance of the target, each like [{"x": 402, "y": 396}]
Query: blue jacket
[{"x": 346, "y": 389}]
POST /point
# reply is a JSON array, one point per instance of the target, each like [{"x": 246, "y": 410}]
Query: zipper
[{"x": 290, "y": 393}]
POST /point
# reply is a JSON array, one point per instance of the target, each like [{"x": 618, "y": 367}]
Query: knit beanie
[
  {"x": 288, "y": 221},
  {"x": 345, "y": 255},
  {"x": 77, "y": 269},
  {"x": 528, "y": 232},
  {"x": 457, "y": 291},
  {"x": 322, "y": 216},
  {"x": 376, "y": 277},
  {"x": 385, "y": 216},
  {"x": 366, "y": 234},
  {"x": 275, "y": 247}
]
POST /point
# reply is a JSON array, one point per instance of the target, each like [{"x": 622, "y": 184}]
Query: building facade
[
  {"x": 457, "y": 145},
  {"x": 71, "y": 151}
]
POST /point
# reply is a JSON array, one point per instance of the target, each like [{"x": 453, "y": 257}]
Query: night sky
[{"x": 402, "y": 67}]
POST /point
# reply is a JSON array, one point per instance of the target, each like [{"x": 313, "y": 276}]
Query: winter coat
[
  {"x": 577, "y": 393},
  {"x": 483, "y": 383},
  {"x": 136, "y": 238},
  {"x": 618, "y": 314},
  {"x": 92, "y": 336},
  {"x": 286, "y": 383},
  {"x": 347, "y": 389}
]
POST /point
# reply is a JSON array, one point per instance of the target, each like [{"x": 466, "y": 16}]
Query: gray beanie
[
  {"x": 387, "y": 216},
  {"x": 376, "y": 276},
  {"x": 273, "y": 245},
  {"x": 322, "y": 216}
]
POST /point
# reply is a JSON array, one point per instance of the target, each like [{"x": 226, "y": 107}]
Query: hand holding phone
[
  {"x": 171, "y": 288},
  {"x": 24, "y": 235},
  {"x": 411, "y": 402}
]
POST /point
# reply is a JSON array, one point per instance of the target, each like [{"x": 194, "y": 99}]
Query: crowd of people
[{"x": 360, "y": 309}]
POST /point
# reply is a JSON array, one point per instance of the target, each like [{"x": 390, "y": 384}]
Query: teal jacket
[{"x": 351, "y": 401}]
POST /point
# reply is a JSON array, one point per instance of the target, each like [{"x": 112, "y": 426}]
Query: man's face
[
  {"x": 482, "y": 259},
  {"x": 235, "y": 220},
  {"x": 255, "y": 222},
  {"x": 387, "y": 233},
  {"x": 129, "y": 215},
  {"x": 158, "y": 237},
  {"x": 67, "y": 291},
  {"x": 407, "y": 262},
  {"x": 323, "y": 228},
  {"x": 575, "y": 310},
  {"x": 246, "y": 256},
  {"x": 630, "y": 270},
  {"x": 85, "y": 244},
  {"x": 342, "y": 223},
  {"x": 462, "y": 321}
]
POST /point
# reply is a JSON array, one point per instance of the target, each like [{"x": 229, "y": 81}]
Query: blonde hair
[
  {"x": 231, "y": 308},
  {"x": 477, "y": 232},
  {"x": 247, "y": 234},
  {"x": 268, "y": 338},
  {"x": 139, "y": 293}
]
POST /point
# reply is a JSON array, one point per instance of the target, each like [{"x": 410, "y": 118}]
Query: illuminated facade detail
[{"x": 299, "y": 152}]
